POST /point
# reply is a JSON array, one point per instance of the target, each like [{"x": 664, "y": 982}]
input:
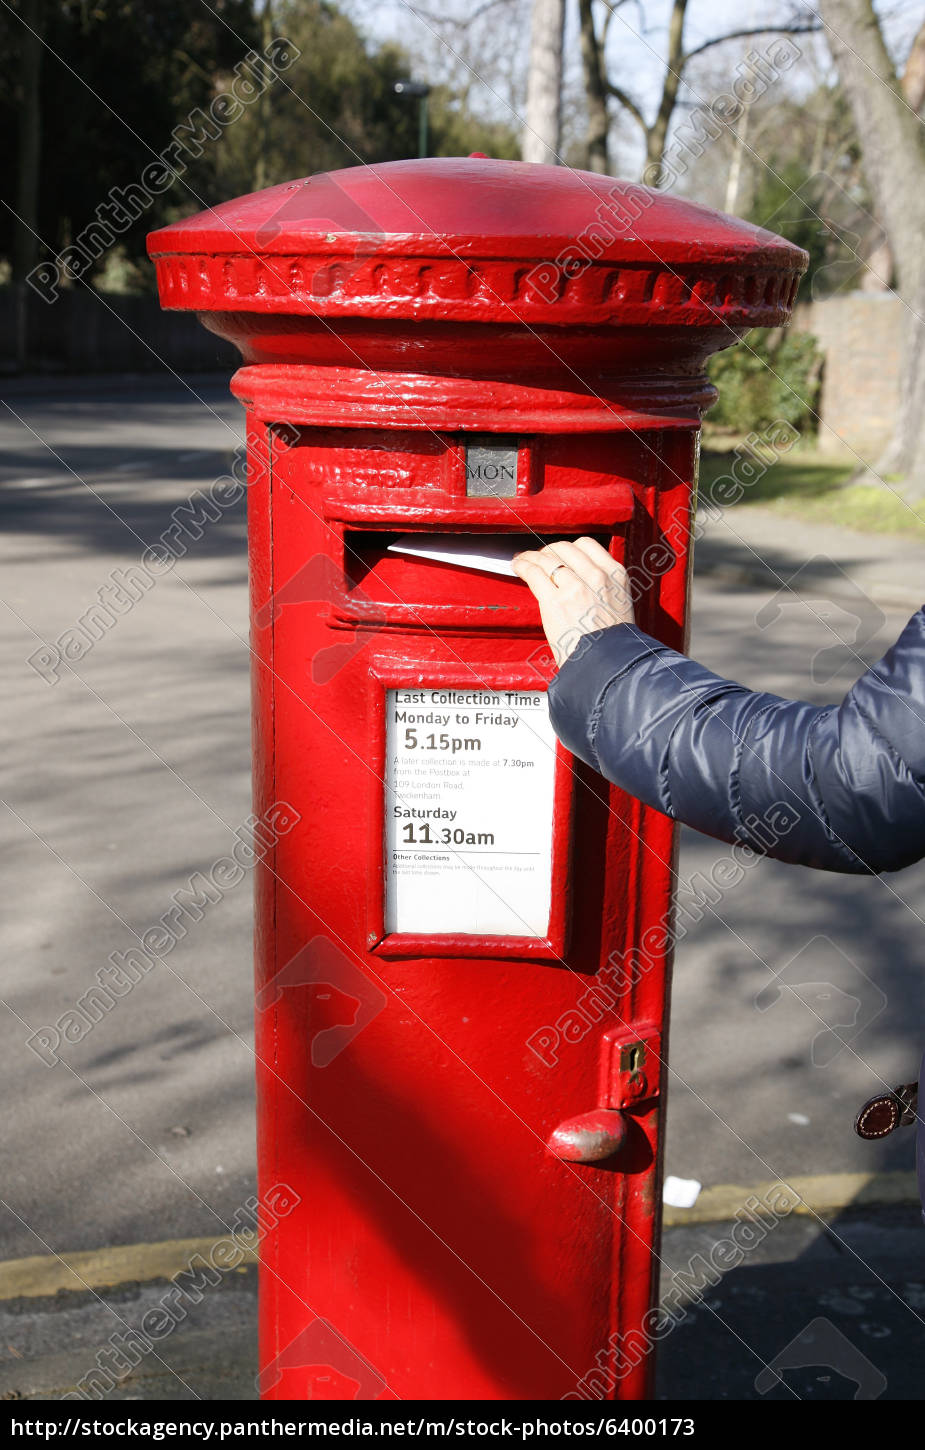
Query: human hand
[{"x": 579, "y": 589}]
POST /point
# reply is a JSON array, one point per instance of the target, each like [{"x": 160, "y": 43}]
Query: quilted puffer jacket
[{"x": 850, "y": 778}]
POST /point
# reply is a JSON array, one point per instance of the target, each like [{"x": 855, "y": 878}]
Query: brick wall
[{"x": 859, "y": 334}]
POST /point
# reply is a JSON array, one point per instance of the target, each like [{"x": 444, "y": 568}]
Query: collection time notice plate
[{"x": 468, "y": 811}]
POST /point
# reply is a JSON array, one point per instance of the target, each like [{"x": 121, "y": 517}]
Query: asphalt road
[
  {"x": 128, "y": 772},
  {"x": 815, "y": 1313}
]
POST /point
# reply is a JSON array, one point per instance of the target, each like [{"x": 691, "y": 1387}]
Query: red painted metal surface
[{"x": 409, "y": 1082}]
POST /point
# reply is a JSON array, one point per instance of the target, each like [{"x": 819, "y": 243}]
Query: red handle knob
[{"x": 590, "y": 1137}]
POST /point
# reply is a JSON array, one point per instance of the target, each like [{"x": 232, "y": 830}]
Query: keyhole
[{"x": 632, "y": 1058}]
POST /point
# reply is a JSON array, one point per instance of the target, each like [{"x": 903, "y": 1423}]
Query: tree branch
[
  {"x": 657, "y": 133},
  {"x": 629, "y": 103},
  {"x": 436, "y": 18},
  {"x": 612, "y": 6},
  {"x": 592, "y": 62},
  {"x": 809, "y": 28}
]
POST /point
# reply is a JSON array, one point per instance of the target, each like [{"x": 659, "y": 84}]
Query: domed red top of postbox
[{"x": 476, "y": 240}]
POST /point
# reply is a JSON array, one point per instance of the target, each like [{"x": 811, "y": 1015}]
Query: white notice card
[{"x": 468, "y": 810}]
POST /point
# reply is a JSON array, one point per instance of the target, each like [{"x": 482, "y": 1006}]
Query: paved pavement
[
  {"x": 765, "y": 1080},
  {"x": 129, "y": 772},
  {"x": 123, "y": 777},
  {"x": 813, "y": 1312}
]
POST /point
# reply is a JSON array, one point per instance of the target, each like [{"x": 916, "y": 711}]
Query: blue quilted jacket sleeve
[{"x": 846, "y": 782}]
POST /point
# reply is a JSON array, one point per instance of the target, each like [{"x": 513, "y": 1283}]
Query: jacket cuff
[{"x": 575, "y": 693}]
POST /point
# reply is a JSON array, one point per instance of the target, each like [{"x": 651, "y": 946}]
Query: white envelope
[{"x": 491, "y": 552}]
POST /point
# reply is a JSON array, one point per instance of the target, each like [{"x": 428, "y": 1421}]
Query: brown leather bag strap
[{"x": 883, "y": 1114}]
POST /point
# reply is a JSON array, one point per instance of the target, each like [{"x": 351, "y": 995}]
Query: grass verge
[{"x": 803, "y": 485}]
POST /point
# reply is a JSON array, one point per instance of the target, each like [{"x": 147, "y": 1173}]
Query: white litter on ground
[{"x": 681, "y": 1192}]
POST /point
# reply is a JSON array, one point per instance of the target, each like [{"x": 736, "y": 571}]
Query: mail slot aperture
[{"x": 426, "y": 579}]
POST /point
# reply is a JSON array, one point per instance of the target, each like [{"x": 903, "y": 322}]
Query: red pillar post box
[{"x": 461, "y": 1081}]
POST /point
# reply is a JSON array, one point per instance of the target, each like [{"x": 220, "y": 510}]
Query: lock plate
[{"x": 631, "y": 1063}]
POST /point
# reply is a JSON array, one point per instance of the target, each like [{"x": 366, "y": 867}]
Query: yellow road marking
[
  {"x": 821, "y": 1193},
  {"x": 101, "y": 1269},
  {"x": 105, "y": 1268}
]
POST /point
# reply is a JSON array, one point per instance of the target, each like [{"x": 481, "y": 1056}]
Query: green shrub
[{"x": 765, "y": 377}]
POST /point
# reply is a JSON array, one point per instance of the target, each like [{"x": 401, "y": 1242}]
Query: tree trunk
[
  {"x": 26, "y": 222},
  {"x": 894, "y": 163},
  {"x": 734, "y": 178},
  {"x": 657, "y": 134},
  {"x": 913, "y": 82},
  {"x": 597, "y": 153},
  {"x": 543, "y": 123},
  {"x": 878, "y": 274},
  {"x": 261, "y": 168}
]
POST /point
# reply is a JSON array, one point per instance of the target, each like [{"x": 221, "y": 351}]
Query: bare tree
[
  {"x": 601, "y": 88},
  {"x": 891, "y": 139},
  {"x": 543, "y": 122}
]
